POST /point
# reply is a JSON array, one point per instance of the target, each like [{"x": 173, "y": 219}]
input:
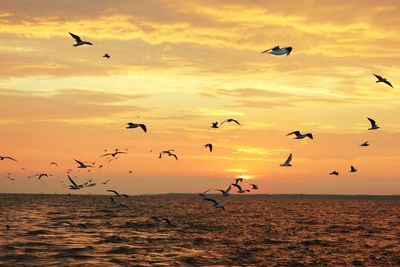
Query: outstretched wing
[
  {"x": 72, "y": 181},
  {"x": 273, "y": 48},
  {"x": 289, "y": 159},
  {"x": 373, "y": 123},
  {"x": 388, "y": 83},
  {"x": 113, "y": 191},
  {"x": 238, "y": 186},
  {"x": 378, "y": 77},
  {"x": 144, "y": 128},
  {"x": 295, "y": 133},
  {"x": 10, "y": 158},
  {"x": 80, "y": 163},
  {"x": 235, "y": 121},
  {"x": 76, "y": 37},
  {"x": 175, "y": 156}
]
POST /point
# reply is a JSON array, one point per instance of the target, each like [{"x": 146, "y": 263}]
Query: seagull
[
  {"x": 210, "y": 146},
  {"x": 117, "y": 194},
  {"x": 254, "y": 186},
  {"x": 114, "y": 154},
  {"x": 382, "y": 80},
  {"x": 107, "y": 56},
  {"x": 301, "y": 136},
  {"x": 106, "y": 182},
  {"x": 334, "y": 173},
  {"x": 79, "y": 40},
  {"x": 214, "y": 125},
  {"x": 230, "y": 120},
  {"x": 278, "y": 51},
  {"x": 169, "y": 153},
  {"x": 131, "y": 125},
  {"x": 5, "y": 157},
  {"x": 74, "y": 186},
  {"x": 374, "y": 126},
  {"x": 53, "y": 163},
  {"x": 218, "y": 205},
  {"x": 241, "y": 191},
  {"x": 365, "y": 144},
  {"x": 353, "y": 169},
  {"x": 287, "y": 162},
  {"x": 225, "y": 193},
  {"x": 40, "y": 175},
  {"x": 82, "y": 165},
  {"x": 204, "y": 193}
]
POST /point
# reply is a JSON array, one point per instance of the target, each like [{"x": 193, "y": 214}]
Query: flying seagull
[
  {"x": 382, "y": 80},
  {"x": 287, "y": 162},
  {"x": 230, "y": 120},
  {"x": 225, "y": 193},
  {"x": 278, "y": 51},
  {"x": 74, "y": 186},
  {"x": 301, "y": 136},
  {"x": 374, "y": 126},
  {"x": 5, "y": 157},
  {"x": 40, "y": 175},
  {"x": 131, "y": 125},
  {"x": 79, "y": 40},
  {"x": 117, "y": 194},
  {"x": 82, "y": 165},
  {"x": 241, "y": 191},
  {"x": 204, "y": 193},
  {"x": 53, "y": 163},
  {"x": 210, "y": 146},
  {"x": 218, "y": 205},
  {"x": 114, "y": 154},
  {"x": 334, "y": 173},
  {"x": 365, "y": 144},
  {"x": 107, "y": 56},
  {"x": 169, "y": 153},
  {"x": 353, "y": 169},
  {"x": 106, "y": 182},
  {"x": 254, "y": 186},
  {"x": 214, "y": 125}
]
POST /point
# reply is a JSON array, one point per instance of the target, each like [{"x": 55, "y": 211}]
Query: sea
[{"x": 254, "y": 230}]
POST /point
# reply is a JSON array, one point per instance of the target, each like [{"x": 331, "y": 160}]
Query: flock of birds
[{"x": 238, "y": 184}]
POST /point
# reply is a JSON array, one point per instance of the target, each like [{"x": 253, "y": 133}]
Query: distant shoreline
[{"x": 267, "y": 196}]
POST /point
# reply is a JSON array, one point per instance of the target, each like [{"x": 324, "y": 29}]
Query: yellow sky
[{"x": 179, "y": 65}]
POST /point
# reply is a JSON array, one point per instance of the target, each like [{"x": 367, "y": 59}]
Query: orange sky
[{"x": 179, "y": 65}]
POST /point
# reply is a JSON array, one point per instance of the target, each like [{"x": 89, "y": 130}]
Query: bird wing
[
  {"x": 289, "y": 159},
  {"x": 72, "y": 181},
  {"x": 113, "y": 191},
  {"x": 223, "y": 122},
  {"x": 76, "y": 37},
  {"x": 229, "y": 189},
  {"x": 295, "y": 133},
  {"x": 378, "y": 77},
  {"x": 373, "y": 123},
  {"x": 273, "y": 48},
  {"x": 235, "y": 121},
  {"x": 144, "y": 128},
  {"x": 10, "y": 158},
  {"x": 388, "y": 83},
  {"x": 310, "y": 135},
  {"x": 80, "y": 162},
  {"x": 238, "y": 186},
  {"x": 107, "y": 154},
  {"x": 175, "y": 156},
  {"x": 210, "y": 199}
]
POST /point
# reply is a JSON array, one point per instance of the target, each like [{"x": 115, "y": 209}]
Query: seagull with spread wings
[
  {"x": 278, "y": 51},
  {"x": 6, "y": 157},
  {"x": 209, "y": 146},
  {"x": 79, "y": 41},
  {"x": 300, "y": 136},
  {"x": 83, "y": 165},
  {"x": 382, "y": 80},
  {"x": 374, "y": 126},
  {"x": 132, "y": 125}
]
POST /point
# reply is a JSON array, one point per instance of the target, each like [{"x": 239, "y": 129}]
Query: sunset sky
[{"x": 178, "y": 66}]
